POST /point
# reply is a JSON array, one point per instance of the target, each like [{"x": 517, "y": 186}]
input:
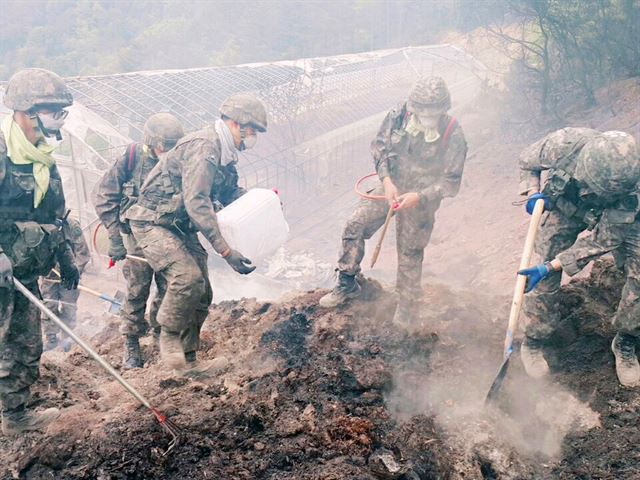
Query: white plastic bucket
[{"x": 254, "y": 224}]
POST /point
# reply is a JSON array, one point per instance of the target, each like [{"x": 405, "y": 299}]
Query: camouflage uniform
[
  {"x": 32, "y": 240},
  {"x": 177, "y": 201},
  {"x": 569, "y": 215},
  {"x": 55, "y": 296},
  {"x": 117, "y": 191},
  {"x": 433, "y": 170}
]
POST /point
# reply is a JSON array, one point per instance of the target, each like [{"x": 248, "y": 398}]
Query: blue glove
[
  {"x": 535, "y": 274},
  {"x": 531, "y": 202}
]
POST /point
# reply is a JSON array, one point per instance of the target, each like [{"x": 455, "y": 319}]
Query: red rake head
[{"x": 169, "y": 427}]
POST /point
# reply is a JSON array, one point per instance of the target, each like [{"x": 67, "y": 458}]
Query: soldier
[
  {"x": 590, "y": 185},
  {"x": 419, "y": 155},
  {"x": 58, "y": 298},
  {"x": 31, "y": 241},
  {"x": 117, "y": 191},
  {"x": 178, "y": 200}
]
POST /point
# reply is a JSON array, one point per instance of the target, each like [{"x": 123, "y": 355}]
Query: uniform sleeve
[
  {"x": 198, "y": 176},
  {"x": 109, "y": 195},
  {"x": 454, "y": 158},
  {"x": 381, "y": 145},
  {"x": 609, "y": 235},
  {"x": 81, "y": 252},
  {"x": 532, "y": 163}
]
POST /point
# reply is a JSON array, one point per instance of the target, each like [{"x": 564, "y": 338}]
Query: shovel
[
  {"x": 169, "y": 427},
  {"x": 518, "y": 296},
  {"x": 115, "y": 303}
]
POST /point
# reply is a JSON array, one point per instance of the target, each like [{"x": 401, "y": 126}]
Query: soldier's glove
[
  {"x": 69, "y": 275},
  {"x": 239, "y": 262},
  {"x": 532, "y": 199},
  {"x": 117, "y": 251},
  {"x": 535, "y": 274},
  {"x": 6, "y": 272}
]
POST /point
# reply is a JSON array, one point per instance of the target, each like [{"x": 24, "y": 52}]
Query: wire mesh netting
[{"x": 323, "y": 113}]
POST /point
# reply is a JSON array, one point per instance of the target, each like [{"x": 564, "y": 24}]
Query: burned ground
[{"x": 317, "y": 394}]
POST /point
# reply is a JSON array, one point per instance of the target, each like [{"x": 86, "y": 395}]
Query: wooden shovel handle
[
  {"x": 525, "y": 261},
  {"x": 376, "y": 252}
]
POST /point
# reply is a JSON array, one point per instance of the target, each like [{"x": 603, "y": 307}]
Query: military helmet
[
  {"x": 429, "y": 93},
  {"x": 162, "y": 129},
  {"x": 33, "y": 87},
  {"x": 246, "y": 110},
  {"x": 609, "y": 164}
]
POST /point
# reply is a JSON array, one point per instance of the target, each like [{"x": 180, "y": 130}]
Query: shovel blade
[
  {"x": 497, "y": 383},
  {"x": 114, "y": 308}
]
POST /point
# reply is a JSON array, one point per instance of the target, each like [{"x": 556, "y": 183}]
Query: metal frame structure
[{"x": 323, "y": 113}]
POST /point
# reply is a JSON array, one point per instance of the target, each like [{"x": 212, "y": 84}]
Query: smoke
[{"x": 532, "y": 417}]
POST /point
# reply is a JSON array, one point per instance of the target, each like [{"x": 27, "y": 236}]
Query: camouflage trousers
[
  {"x": 20, "y": 346},
  {"x": 139, "y": 276},
  {"x": 413, "y": 231},
  {"x": 61, "y": 301},
  {"x": 627, "y": 317},
  {"x": 541, "y": 313},
  {"x": 182, "y": 262}
]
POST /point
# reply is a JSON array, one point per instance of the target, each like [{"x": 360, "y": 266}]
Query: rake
[{"x": 167, "y": 425}]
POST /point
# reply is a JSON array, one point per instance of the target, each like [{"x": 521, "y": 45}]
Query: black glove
[
  {"x": 239, "y": 262},
  {"x": 69, "y": 275},
  {"x": 6, "y": 271},
  {"x": 117, "y": 251}
]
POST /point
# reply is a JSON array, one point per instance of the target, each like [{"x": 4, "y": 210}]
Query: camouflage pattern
[
  {"x": 430, "y": 169},
  {"x": 246, "y": 110},
  {"x": 618, "y": 232},
  {"x": 20, "y": 346},
  {"x": 429, "y": 93},
  {"x": 32, "y": 241},
  {"x": 116, "y": 192},
  {"x": 182, "y": 262},
  {"x": 139, "y": 276},
  {"x": 177, "y": 201},
  {"x": 609, "y": 164},
  {"x": 162, "y": 130},
  {"x": 36, "y": 86},
  {"x": 55, "y": 296},
  {"x": 560, "y": 152}
]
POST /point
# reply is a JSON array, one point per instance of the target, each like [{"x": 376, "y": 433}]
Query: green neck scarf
[{"x": 22, "y": 152}]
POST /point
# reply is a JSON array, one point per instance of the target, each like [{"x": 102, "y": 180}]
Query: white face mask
[
  {"x": 248, "y": 142},
  {"x": 429, "y": 121},
  {"x": 51, "y": 122}
]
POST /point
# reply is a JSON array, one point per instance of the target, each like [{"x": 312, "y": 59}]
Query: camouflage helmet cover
[
  {"x": 32, "y": 87},
  {"x": 246, "y": 110},
  {"x": 162, "y": 129},
  {"x": 609, "y": 164},
  {"x": 429, "y": 93}
]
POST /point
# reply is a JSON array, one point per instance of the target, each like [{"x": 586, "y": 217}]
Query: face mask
[
  {"x": 248, "y": 141},
  {"x": 431, "y": 135},
  {"x": 429, "y": 121},
  {"x": 51, "y": 123}
]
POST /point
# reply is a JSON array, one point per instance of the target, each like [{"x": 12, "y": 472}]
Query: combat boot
[
  {"x": 346, "y": 288},
  {"x": 51, "y": 343},
  {"x": 132, "y": 353},
  {"x": 19, "y": 420},
  {"x": 627, "y": 366},
  {"x": 171, "y": 351},
  {"x": 532, "y": 358},
  {"x": 202, "y": 369}
]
